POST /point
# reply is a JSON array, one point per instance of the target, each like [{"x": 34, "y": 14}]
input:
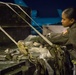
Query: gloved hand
[{"x": 23, "y": 49}]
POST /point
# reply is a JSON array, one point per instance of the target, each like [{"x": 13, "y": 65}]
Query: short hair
[{"x": 70, "y": 13}]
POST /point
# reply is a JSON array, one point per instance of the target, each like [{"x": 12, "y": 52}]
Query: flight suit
[{"x": 67, "y": 39}]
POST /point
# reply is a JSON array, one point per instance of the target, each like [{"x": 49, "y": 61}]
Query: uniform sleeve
[
  {"x": 55, "y": 38},
  {"x": 59, "y": 39}
]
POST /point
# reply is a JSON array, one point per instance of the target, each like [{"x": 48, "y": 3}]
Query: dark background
[{"x": 46, "y": 8}]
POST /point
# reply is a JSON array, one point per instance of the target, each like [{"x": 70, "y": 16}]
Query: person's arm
[{"x": 59, "y": 38}]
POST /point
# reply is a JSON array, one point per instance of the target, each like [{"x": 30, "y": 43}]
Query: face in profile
[{"x": 66, "y": 22}]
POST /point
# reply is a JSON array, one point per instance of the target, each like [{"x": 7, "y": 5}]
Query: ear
[{"x": 72, "y": 20}]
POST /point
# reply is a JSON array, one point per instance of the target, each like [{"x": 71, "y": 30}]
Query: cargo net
[{"x": 47, "y": 60}]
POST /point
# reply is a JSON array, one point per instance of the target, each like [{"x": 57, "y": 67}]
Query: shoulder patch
[{"x": 64, "y": 32}]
